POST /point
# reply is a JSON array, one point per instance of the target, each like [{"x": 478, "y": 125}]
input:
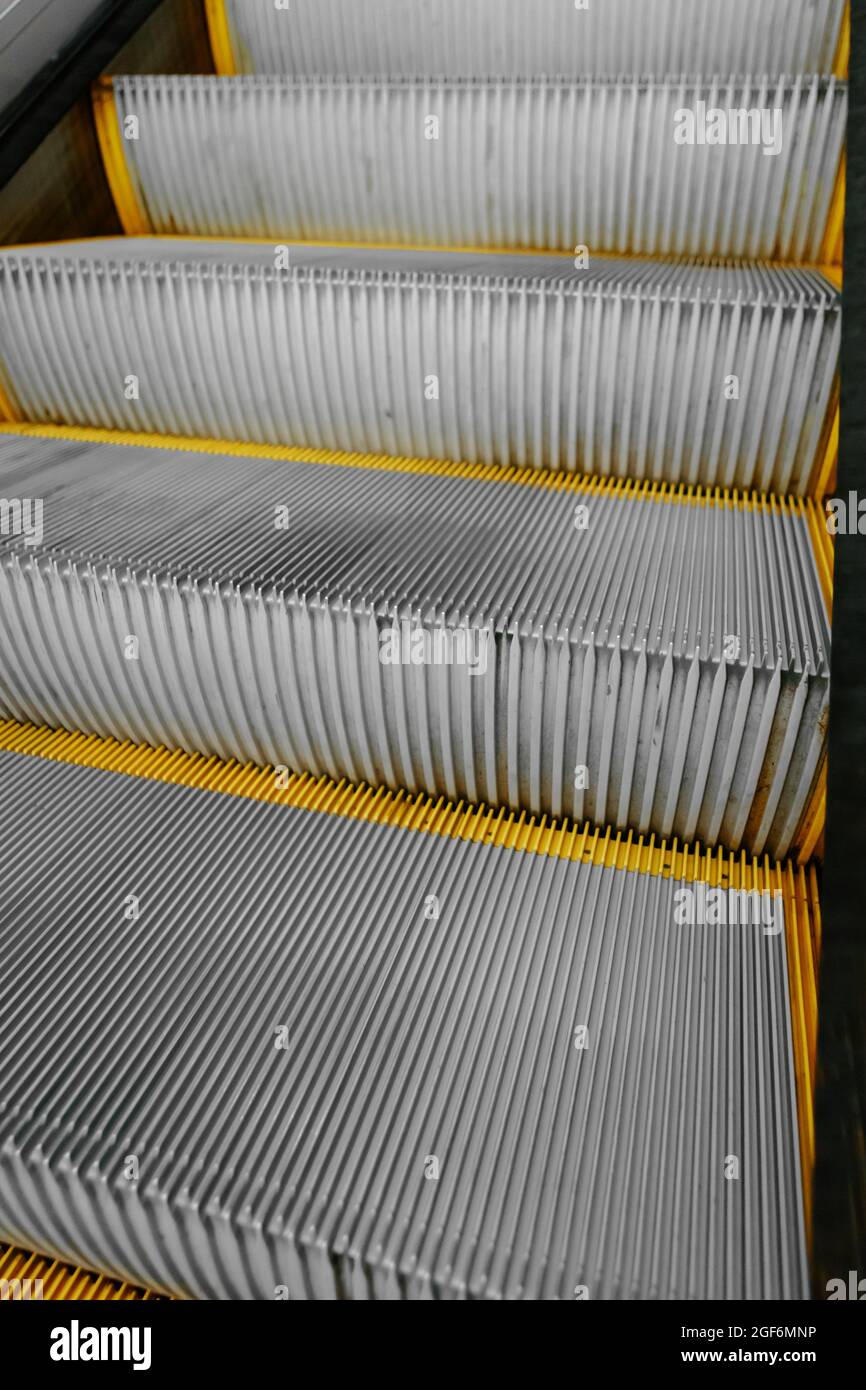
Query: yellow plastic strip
[
  {"x": 843, "y": 50},
  {"x": 832, "y": 249},
  {"x": 220, "y": 37},
  {"x": 462, "y": 821},
  {"x": 25, "y": 1276},
  {"x": 574, "y": 483},
  {"x": 826, "y": 479},
  {"x": 132, "y": 215},
  {"x": 8, "y": 413},
  {"x": 812, "y": 829},
  {"x": 804, "y": 958},
  {"x": 833, "y": 273},
  {"x": 822, "y": 548}
]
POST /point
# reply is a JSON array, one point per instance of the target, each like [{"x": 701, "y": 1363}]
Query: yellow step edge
[
  {"x": 825, "y": 481},
  {"x": 133, "y": 217},
  {"x": 7, "y": 410},
  {"x": 832, "y": 246},
  {"x": 822, "y": 547},
  {"x": 28, "y": 1277},
  {"x": 582, "y": 484},
  {"x": 220, "y": 38},
  {"x": 461, "y": 820},
  {"x": 812, "y": 828},
  {"x": 562, "y": 839},
  {"x": 843, "y": 49}
]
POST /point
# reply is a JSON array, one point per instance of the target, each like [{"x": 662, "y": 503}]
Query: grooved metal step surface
[
  {"x": 639, "y": 659},
  {"x": 545, "y": 164},
  {"x": 491, "y": 37},
  {"x": 684, "y": 372},
  {"x": 305, "y": 1056}
]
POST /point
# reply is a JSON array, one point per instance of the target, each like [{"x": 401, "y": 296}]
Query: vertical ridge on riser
[
  {"x": 495, "y": 37},
  {"x": 541, "y": 164},
  {"x": 434, "y": 1124},
  {"x": 641, "y": 662},
  {"x": 703, "y": 374}
]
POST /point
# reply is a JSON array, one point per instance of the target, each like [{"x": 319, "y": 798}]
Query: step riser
[
  {"x": 490, "y": 37},
  {"x": 507, "y": 164}
]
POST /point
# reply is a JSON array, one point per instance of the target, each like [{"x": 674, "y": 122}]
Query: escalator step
[
  {"x": 542, "y": 164},
  {"x": 715, "y": 375},
  {"x": 642, "y": 657},
  {"x": 393, "y": 1064}
]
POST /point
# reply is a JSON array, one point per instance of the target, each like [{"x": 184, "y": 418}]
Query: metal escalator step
[
  {"x": 705, "y": 374},
  {"x": 491, "y": 37},
  {"x": 543, "y": 164},
  {"x": 639, "y": 657},
  {"x": 310, "y": 1056}
]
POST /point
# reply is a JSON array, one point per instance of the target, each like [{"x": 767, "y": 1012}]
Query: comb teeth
[
  {"x": 26, "y": 1277},
  {"x": 677, "y": 652},
  {"x": 490, "y": 359},
  {"x": 436, "y": 1123},
  {"x": 490, "y": 37},
  {"x": 543, "y": 164}
]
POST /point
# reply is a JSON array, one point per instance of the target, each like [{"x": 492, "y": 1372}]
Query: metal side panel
[
  {"x": 496, "y": 37},
  {"x": 34, "y": 34},
  {"x": 702, "y": 374},
  {"x": 645, "y": 661},
  {"x": 537, "y": 164},
  {"x": 344, "y": 1060}
]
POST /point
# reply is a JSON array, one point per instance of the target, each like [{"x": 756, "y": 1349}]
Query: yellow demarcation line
[
  {"x": 822, "y": 545},
  {"x": 843, "y": 50},
  {"x": 220, "y": 38},
  {"x": 8, "y": 413},
  {"x": 22, "y": 1273},
  {"x": 833, "y": 273},
  {"x": 831, "y": 251},
  {"x": 813, "y": 822},
  {"x": 825, "y": 480},
  {"x": 562, "y": 839},
  {"x": 133, "y": 218}
]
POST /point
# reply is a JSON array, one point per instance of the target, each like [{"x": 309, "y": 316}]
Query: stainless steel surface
[
  {"x": 501, "y": 37},
  {"x": 626, "y": 368},
  {"x": 152, "y": 1127},
  {"x": 678, "y": 652},
  {"x": 538, "y": 164}
]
